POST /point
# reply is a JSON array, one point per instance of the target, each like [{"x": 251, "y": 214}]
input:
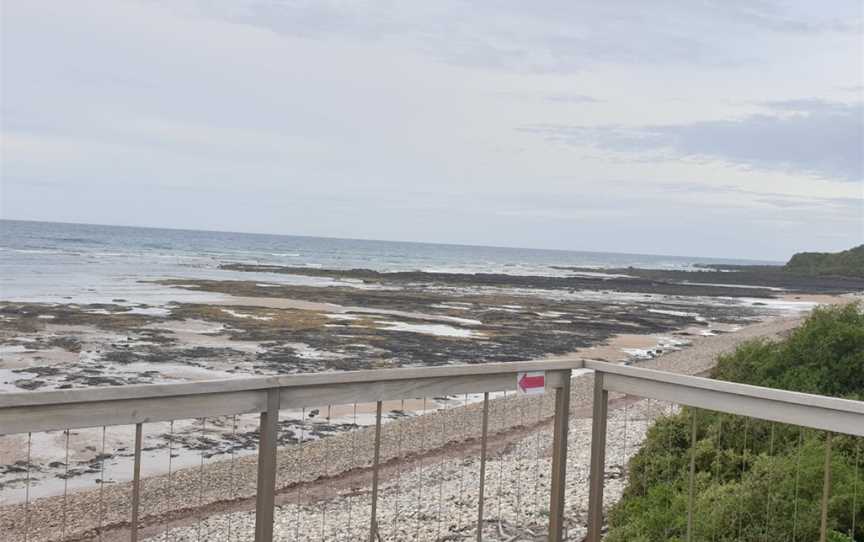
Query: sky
[{"x": 727, "y": 128}]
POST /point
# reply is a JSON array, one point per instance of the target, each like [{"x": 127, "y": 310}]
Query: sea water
[{"x": 82, "y": 263}]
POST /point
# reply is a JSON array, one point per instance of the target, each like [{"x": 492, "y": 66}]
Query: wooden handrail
[{"x": 203, "y": 387}]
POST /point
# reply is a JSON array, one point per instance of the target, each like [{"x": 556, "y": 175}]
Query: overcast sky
[{"x": 714, "y": 128}]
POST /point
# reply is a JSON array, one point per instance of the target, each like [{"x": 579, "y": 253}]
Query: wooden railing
[
  {"x": 138, "y": 405},
  {"x": 142, "y": 404}
]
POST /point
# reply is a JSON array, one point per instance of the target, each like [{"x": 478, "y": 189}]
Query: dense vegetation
[
  {"x": 848, "y": 263},
  {"x": 753, "y": 479}
]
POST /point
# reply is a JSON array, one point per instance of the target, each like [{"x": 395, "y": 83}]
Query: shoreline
[
  {"x": 266, "y": 329},
  {"x": 460, "y": 422},
  {"x": 238, "y": 437}
]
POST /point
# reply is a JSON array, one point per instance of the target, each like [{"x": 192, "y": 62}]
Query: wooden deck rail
[{"x": 28, "y": 412}]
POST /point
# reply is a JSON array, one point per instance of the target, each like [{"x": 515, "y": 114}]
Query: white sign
[{"x": 531, "y": 383}]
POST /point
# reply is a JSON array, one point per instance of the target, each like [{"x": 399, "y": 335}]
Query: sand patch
[{"x": 822, "y": 299}]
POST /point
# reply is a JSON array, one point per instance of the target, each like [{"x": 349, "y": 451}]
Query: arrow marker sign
[{"x": 531, "y": 383}]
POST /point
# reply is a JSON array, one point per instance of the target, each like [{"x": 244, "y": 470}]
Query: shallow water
[{"x": 50, "y": 262}]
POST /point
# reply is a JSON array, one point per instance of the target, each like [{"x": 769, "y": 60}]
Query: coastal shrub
[
  {"x": 848, "y": 263},
  {"x": 825, "y": 355},
  {"x": 753, "y": 478}
]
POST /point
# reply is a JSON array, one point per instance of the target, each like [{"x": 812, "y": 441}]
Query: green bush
[
  {"x": 846, "y": 263},
  {"x": 756, "y": 479}
]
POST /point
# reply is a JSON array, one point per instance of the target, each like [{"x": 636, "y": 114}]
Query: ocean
[{"x": 83, "y": 263}]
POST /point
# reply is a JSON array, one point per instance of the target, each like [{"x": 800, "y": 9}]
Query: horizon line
[{"x": 466, "y": 245}]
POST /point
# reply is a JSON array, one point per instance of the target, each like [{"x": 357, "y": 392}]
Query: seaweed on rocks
[
  {"x": 31, "y": 317},
  {"x": 612, "y": 281}
]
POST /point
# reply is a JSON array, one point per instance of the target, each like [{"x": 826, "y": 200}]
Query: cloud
[
  {"x": 810, "y": 136},
  {"x": 401, "y": 120},
  {"x": 570, "y": 98},
  {"x": 785, "y": 19},
  {"x": 557, "y": 36}
]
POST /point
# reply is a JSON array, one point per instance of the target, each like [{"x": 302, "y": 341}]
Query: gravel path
[{"x": 425, "y": 494}]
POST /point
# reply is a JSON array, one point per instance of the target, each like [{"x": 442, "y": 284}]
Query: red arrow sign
[{"x": 532, "y": 382}]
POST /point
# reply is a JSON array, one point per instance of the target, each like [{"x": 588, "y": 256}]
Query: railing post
[
  {"x": 268, "y": 437},
  {"x": 136, "y": 483},
  {"x": 373, "y": 522},
  {"x": 598, "y": 459},
  {"x": 484, "y": 431},
  {"x": 826, "y": 489},
  {"x": 561, "y": 424},
  {"x": 691, "y": 493}
]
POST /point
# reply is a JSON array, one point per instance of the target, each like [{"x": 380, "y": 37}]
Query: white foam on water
[
  {"x": 149, "y": 311},
  {"x": 597, "y": 274},
  {"x": 439, "y": 330},
  {"x": 337, "y": 316},
  {"x": 242, "y": 315},
  {"x": 781, "y": 305},
  {"x": 673, "y": 313},
  {"x": 454, "y": 305},
  {"x": 504, "y": 308},
  {"x": 464, "y": 321},
  {"x": 416, "y": 315}
]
